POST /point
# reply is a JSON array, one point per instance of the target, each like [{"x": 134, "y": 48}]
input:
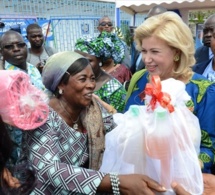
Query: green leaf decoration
[
  {"x": 205, "y": 158},
  {"x": 205, "y": 139},
  {"x": 202, "y": 85}
]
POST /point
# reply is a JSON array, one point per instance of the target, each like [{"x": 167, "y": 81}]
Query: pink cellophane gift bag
[
  {"x": 21, "y": 104},
  {"x": 160, "y": 139}
]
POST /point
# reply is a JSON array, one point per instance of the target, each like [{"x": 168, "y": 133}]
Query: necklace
[{"x": 75, "y": 123}]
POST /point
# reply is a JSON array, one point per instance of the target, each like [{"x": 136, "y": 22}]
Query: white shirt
[
  {"x": 209, "y": 72},
  {"x": 211, "y": 55}
]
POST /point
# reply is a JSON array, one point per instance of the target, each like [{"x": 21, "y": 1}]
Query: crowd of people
[{"x": 85, "y": 88}]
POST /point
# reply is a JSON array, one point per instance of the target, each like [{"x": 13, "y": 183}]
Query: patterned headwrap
[{"x": 106, "y": 46}]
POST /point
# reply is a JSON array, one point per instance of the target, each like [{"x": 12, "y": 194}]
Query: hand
[
  {"x": 11, "y": 181},
  {"x": 139, "y": 184},
  {"x": 179, "y": 190},
  {"x": 40, "y": 66},
  {"x": 108, "y": 107},
  {"x": 209, "y": 184}
]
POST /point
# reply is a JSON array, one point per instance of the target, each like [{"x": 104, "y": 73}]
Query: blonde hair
[{"x": 170, "y": 28}]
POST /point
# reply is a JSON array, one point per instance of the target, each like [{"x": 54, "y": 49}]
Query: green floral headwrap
[{"x": 105, "y": 46}]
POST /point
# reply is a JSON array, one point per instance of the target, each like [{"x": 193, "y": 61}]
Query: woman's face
[
  {"x": 79, "y": 89},
  {"x": 94, "y": 62},
  {"x": 158, "y": 57}
]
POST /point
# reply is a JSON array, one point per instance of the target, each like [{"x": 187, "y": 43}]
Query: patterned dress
[
  {"x": 113, "y": 93},
  {"x": 202, "y": 94},
  {"x": 60, "y": 156}
]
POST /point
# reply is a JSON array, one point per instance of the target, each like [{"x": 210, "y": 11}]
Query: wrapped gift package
[
  {"x": 160, "y": 139},
  {"x": 21, "y": 104}
]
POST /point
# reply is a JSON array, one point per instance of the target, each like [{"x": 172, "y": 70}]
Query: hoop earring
[
  {"x": 60, "y": 91},
  {"x": 100, "y": 64},
  {"x": 176, "y": 58}
]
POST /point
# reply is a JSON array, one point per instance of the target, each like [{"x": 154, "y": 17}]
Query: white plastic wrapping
[{"x": 161, "y": 144}]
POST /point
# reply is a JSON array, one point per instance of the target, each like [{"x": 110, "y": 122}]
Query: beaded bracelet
[{"x": 114, "y": 180}]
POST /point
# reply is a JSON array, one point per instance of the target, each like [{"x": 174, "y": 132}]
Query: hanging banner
[
  {"x": 47, "y": 29},
  {"x": 20, "y": 26}
]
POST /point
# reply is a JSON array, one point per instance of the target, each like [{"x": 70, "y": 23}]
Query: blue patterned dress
[{"x": 202, "y": 93}]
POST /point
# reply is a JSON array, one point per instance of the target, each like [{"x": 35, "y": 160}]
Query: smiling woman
[
  {"x": 167, "y": 47},
  {"x": 73, "y": 93},
  {"x": 72, "y": 129},
  {"x": 67, "y": 150}
]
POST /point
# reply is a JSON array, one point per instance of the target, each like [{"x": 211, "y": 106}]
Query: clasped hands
[{"x": 10, "y": 180}]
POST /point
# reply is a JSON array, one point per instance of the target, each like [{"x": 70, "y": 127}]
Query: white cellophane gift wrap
[{"x": 160, "y": 139}]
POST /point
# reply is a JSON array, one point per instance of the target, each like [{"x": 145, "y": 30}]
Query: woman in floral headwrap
[
  {"x": 107, "y": 47},
  {"x": 114, "y": 48},
  {"x": 111, "y": 50}
]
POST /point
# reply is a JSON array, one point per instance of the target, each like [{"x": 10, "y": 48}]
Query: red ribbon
[{"x": 154, "y": 90}]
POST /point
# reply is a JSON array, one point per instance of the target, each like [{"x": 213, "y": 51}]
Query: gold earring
[{"x": 176, "y": 58}]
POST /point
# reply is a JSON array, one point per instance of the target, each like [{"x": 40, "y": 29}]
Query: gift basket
[
  {"x": 160, "y": 139},
  {"x": 21, "y": 104}
]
